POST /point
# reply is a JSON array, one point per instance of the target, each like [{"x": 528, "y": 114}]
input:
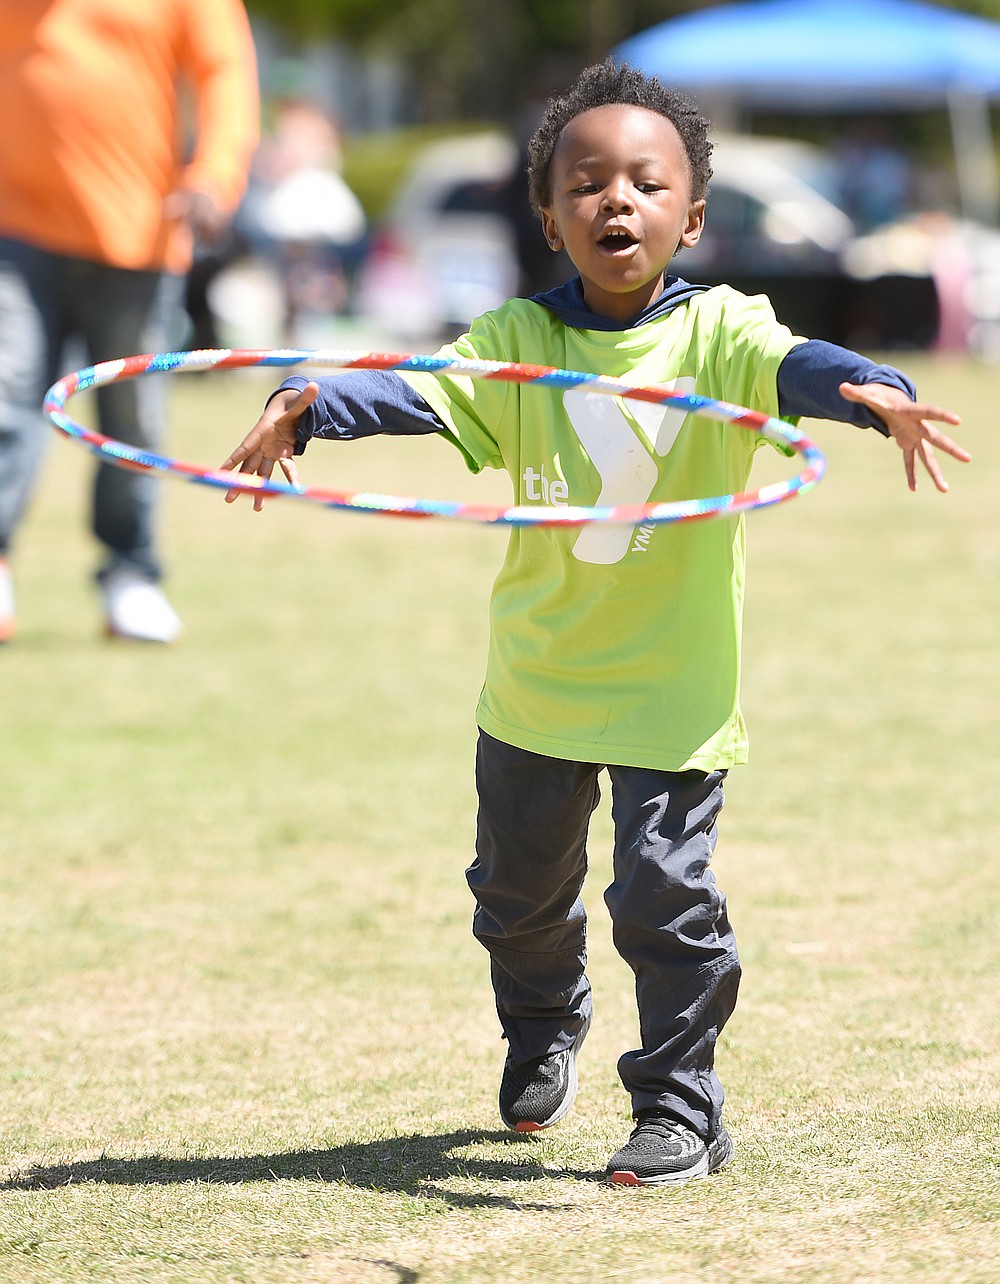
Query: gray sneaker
[
  {"x": 538, "y": 1093},
  {"x": 662, "y": 1150}
]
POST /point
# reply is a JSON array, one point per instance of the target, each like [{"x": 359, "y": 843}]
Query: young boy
[{"x": 612, "y": 648}]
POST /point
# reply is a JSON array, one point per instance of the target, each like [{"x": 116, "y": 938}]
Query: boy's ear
[
  {"x": 695, "y": 225},
  {"x": 550, "y": 231}
]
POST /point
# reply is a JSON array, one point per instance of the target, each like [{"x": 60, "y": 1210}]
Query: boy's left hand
[{"x": 909, "y": 425}]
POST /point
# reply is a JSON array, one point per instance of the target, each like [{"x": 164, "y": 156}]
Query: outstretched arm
[
  {"x": 911, "y": 424},
  {"x": 343, "y": 407},
  {"x": 272, "y": 440}
]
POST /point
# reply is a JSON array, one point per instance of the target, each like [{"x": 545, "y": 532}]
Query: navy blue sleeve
[
  {"x": 361, "y": 403},
  {"x": 809, "y": 376}
]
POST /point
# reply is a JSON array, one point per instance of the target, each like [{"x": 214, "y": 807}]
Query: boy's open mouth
[{"x": 617, "y": 238}]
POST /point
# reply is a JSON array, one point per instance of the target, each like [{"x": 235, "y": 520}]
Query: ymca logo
[{"x": 627, "y": 471}]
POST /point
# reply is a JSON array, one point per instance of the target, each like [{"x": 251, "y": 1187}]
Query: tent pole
[{"x": 975, "y": 156}]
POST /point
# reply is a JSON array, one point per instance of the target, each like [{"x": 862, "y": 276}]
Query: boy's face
[{"x": 620, "y": 204}]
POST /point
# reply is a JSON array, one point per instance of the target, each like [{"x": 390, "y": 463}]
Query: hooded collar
[{"x": 567, "y": 302}]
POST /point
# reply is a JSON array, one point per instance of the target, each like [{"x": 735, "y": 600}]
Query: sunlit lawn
[{"x": 247, "y": 1035}]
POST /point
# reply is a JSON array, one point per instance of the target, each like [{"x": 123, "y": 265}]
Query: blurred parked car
[
  {"x": 445, "y": 252},
  {"x": 447, "y": 249},
  {"x": 773, "y": 228}
]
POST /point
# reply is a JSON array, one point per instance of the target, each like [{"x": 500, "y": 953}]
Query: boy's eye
[{"x": 649, "y": 187}]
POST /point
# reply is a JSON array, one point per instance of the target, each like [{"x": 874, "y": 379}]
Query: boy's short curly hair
[{"x": 609, "y": 84}]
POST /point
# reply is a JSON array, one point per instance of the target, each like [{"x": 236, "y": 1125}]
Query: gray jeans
[
  {"x": 48, "y": 301},
  {"x": 668, "y": 915}
]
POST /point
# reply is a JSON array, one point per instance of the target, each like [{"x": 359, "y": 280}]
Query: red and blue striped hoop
[{"x": 775, "y": 430}]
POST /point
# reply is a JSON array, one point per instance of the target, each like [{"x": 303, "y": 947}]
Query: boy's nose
[{"x": 617, "y": 197}]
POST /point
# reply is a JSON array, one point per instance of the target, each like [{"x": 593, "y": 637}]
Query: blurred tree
[
  {"x": 485, "y": 59},
  {"x": 474, "y": 58}
]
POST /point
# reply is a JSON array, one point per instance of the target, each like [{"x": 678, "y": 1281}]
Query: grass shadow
[{"x": 418, "y": 1165}]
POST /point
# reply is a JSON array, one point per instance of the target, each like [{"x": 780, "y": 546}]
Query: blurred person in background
[
  {"x": 875, "y": 176},
  {"x": 300, "y": 210},
  {"x": 101, "y": 203}
]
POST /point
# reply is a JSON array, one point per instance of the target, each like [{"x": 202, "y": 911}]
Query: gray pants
[
  {"x": 47, "y": 301},
  {"x": 669, "y": 917}
]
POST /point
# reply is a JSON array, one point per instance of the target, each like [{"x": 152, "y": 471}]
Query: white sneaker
[
  {"x": 8, "y": 621},
  {"x": 137, "y": 610}
]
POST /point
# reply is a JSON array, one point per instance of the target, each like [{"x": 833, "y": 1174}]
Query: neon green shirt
[{"x": 617, "y": 644}]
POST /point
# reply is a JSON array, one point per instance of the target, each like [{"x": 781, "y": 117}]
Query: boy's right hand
[{"x": 271, "y": 441}]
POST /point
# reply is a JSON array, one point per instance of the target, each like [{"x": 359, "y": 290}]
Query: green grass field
[{"x": 246, "y": 1033}]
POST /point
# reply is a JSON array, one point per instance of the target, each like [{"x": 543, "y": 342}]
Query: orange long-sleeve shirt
[{"x": 92, "y": 122}]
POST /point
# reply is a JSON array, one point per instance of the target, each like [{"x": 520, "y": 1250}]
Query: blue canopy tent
[{"x": 844, "y": 56}]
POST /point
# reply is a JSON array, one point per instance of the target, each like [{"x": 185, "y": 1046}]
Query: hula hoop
[{"x": 120, "y": 453}]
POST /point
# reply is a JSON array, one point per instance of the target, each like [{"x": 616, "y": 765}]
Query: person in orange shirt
[{"x": 100, "y": 206}]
